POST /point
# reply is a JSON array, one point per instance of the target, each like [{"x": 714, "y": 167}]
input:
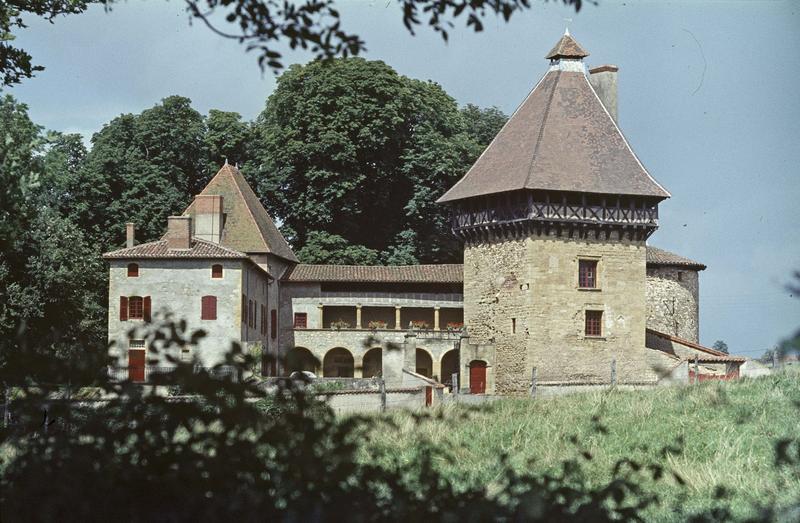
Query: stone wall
[
  {"x": 673, "y": 301},
  {"x": 177, "y": 286},
  {"x": 522, "y": 296}
]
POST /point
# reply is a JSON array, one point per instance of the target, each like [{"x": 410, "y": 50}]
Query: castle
[{"x": 557, "y": 279}]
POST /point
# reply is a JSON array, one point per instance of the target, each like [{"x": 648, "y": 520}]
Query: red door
[
  {"x": 477, "y": 377},
  {"x": 136, "y": 364}
]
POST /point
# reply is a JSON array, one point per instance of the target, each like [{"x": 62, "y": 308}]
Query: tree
[
  {"x": 349, "y": 142},
  {"x": 227, "y": 137},
  {"x": 323, "y": 248},
  {"x": 720, "y": 346},
  {"x": 483, "y": 124},
  {"x": 263, "y": 25}
]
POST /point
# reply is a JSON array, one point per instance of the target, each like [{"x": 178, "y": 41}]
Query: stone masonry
[{"x": 673, "y": 301}]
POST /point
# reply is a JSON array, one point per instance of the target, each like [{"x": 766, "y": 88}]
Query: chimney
[
  {"x": 130, "y": 234},
  {"x": 179, "y": 232},
  {"x": 604, "y": 82},
  {"x": 208, "y": 217}
]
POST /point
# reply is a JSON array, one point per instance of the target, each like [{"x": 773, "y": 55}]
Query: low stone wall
[{"x": 367, "y": 401}]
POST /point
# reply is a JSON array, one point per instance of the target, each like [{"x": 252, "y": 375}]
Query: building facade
[{"x": 557, "y": 279}]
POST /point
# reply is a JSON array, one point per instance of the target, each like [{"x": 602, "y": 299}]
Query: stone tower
[{"x": 554, "y": 216}]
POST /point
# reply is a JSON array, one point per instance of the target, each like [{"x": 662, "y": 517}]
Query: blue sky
[{"x": 708, "y": 99}]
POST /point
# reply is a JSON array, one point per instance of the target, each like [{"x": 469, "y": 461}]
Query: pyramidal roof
[
  {"x": 248, "y": 228},
  {"x": 561, "y": 138},
  {"x": 567, "y": 47}
]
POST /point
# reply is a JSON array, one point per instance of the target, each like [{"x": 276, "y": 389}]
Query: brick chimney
[
  {"x": 604, "y": 82},
  {"x": 208, "y": 217},
  {"x": 130, "y": 234},
  {"x": 179, "y": 232}
]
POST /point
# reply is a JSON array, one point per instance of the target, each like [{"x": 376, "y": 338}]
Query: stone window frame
[
  {"x": 598, "y": 277},
  {"x": 590, "y": 309}
]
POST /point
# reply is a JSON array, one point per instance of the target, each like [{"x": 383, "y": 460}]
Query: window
[
  {"x": 300, "y": 320},
  {"x": 208, "y": 308},
  {"x": 513, "y": 325},
  {"x": 133, "y": 270},
  {"x": 136, "y": 308},
  {"x": 587, "y": 274},
  {"x": 216, "y": 271},
  {"x": 273, "y": 320},
  {"x": 680, "y": 276},
  {"x": 594, "y": 322}
]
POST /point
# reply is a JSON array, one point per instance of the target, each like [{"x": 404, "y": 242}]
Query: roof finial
[
  {"x": 566, "y": 27},
  {"x": 226, "y": 160}
]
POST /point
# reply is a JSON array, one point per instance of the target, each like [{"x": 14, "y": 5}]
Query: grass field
[{"x": 728, "y": 433}]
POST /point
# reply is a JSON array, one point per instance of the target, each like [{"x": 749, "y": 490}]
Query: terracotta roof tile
[
  {"x": 452, "y": 273},
  {"x": 158, "y": 249},
  {"x": 560, "y": 138},
  {"x": 660, "y": 258},
  {"x": 248, "y": 227},
  {"x": 710, "y": 355}
]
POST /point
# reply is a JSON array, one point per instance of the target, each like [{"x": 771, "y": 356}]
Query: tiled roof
[
  {"x": 708, "y": 356},
  {"x": 660, "y": 258},
  {"x": 158, "y": 249},
  {"x": 452, "y": 273},
  {"x": 248, "y": 227},
  {"x": 560, "y": 138},
  {"x": 567, "y": 47}
]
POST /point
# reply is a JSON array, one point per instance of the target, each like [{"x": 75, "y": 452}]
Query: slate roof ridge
[{"x": 543, "y": 127}]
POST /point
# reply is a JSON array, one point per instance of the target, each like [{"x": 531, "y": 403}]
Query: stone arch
[
  {"x": 372, "y": 363},
  {"x": 301, "y": 359},
  {"x": 424, "y": 363},
  {"x": 451, "y": 364},
  {"x": 338, "y": 363}
]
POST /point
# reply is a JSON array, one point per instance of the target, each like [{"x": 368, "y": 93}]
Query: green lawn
[{"x": 729, "y": 432}]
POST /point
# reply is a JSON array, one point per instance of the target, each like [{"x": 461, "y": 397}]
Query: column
[
  {"x": 321, "y": 316},
  {"x": 397, "y": 325},
  {"x": 358, "y": 316},
  {"x": 436, "y": 318}
]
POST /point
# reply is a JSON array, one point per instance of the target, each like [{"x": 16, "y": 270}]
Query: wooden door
[
  {"x": 477, "y": 377},
  {"x": 136, "y": 358}
]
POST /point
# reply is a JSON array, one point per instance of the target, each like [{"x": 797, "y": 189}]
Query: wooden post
[
  {"x": 533, "y": 383},
  {"x": 774, "y": 360},
  {"x": 454, "y": 384},
  {"x": 382, "y": 384},
  {"x": 613, "y": 372}
]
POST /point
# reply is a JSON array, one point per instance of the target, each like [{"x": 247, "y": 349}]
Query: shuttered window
[
  {"x": 273, "y": 327},
  {"x": 216, "y": 271},
  {"x": 587, "y": 274},
  {"x": 244, "y": 309},
  {"x": 300, "y": 320},
  {"x": 123, "y": 308},
  {"x": 594, "y": 323},
  {"x": 136, "y": 308},
  {"x": 263, "y": 319},
  {"x": 133, "y": 270},
  {"x": 208, "y": 308},
  {"x": 250, "y": 313}
]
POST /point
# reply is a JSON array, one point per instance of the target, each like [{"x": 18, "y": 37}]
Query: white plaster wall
[{"x": 177, "y": 286}]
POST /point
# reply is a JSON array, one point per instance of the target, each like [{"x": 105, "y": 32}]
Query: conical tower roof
[
  {"x": 561, "y": 138},
  {"x": 248, "y": 227}
]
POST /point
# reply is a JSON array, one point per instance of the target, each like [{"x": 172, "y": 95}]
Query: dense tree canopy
[{"x": 353, "y": 149}]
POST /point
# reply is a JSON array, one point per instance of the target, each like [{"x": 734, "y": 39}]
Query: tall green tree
[{"x": 353, "y": 149}]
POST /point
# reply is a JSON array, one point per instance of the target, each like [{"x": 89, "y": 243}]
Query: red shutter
[
  {"x": 146, "y": 307},
  {"x": 273, "y": 319},
  {"x": 123, "y": 308},
  {"x": 208, "y": 308}
]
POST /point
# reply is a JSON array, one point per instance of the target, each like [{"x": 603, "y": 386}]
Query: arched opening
[
  {"x": 301, "y": 359},
  {"x": 338, "y": 363},
  {"x": 372, "y": 366},
  {"x": 477, "y": 377},
  {"x": 424, "y": 363},
  {"x": 450, "y": 366}
]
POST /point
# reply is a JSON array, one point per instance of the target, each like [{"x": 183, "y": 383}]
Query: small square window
[
  {"x": 133, "y": 270},
  {"x": 594, "y": 323},
  {"x": 216, "y": 271},
  {"x": 300, "y": 320},
  {"x": 587, "y": 274}
]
